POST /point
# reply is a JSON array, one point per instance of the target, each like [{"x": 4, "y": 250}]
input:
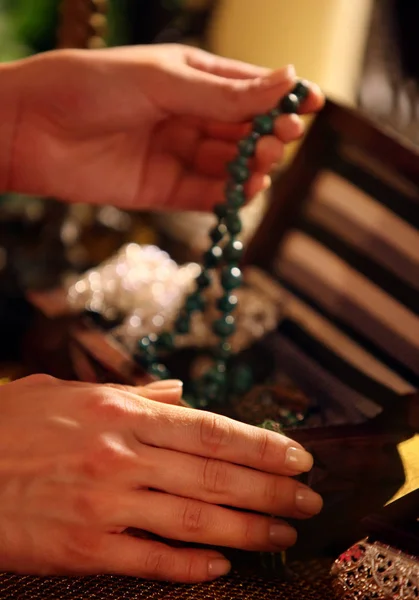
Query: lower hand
[{"x": 82, "y": 463}]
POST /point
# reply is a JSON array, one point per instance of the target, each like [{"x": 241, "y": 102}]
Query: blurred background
[{"x": 362, "y": 53}]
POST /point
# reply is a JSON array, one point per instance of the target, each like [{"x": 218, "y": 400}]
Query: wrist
[{"x": 10, "y": 95}]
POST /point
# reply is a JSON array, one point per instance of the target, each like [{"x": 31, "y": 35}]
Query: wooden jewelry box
[{"x": 341, "y": 238}]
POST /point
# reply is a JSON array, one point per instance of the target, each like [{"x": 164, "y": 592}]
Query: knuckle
[
  {"x": 183, "y": 566},
  {"x": 103, "y": 459},
  {"x": 193, "y": 568},
  {"x": 119, "y": 387},
  {"x": 40, "y": 379},
  {"x": 248, "y": 535},
  {"x": 263, "y": 446},
  {"x": 280, "y": 494},
  {"x": 176, "y": 47},
  {"x": 158, "y": 563},
  {"x": 215, "y": 432},
  {"x": 88, "y": 509},
  {"x": 214, "y": 476},
  {"x": 106, "y": 404},
  {"x": 272, "y": 491},
  {"x": 192, "y": 517}
]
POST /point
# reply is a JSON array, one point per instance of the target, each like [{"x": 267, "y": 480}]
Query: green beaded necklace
[{"x": 218, "y": 383}]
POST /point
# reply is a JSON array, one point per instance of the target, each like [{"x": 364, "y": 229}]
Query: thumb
[
  {"x": 166, "y": 392},
  {"x": 210, "y": 96}
]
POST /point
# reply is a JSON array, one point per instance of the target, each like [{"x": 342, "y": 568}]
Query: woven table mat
[{"x": 310, "y": 582}]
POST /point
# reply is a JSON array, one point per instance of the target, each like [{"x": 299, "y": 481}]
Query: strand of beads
[{"x": 225, "y": 251}]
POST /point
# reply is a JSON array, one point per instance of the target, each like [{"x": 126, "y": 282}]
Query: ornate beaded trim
[
  {"x": 226, "y": 252},
  {"x": 374, "y": 571}
]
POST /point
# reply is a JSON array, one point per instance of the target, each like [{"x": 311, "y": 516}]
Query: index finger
[
  {"x": 314, "y": 101},
  {"x": 233, "y": 132},
  {"x": 213, "y": 436},
  {"x": 224, "y": 67}
]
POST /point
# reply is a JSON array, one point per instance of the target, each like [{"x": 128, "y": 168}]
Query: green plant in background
[
  {"x": 11, "y": 45},
  {"x": 30, "y": 26},
  {"x": 117, "y": 24},
  {"x": 34, "y": 23}
]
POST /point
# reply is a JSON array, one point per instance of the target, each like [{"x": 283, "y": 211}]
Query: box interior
[{"x": 342, "y": 239}]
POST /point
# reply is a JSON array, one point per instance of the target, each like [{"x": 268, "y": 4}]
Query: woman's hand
[
  {"x": 81, "y": 463},
  {"x": 142, "y": 127}
]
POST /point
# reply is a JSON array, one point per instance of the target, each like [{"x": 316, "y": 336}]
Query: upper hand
[
  {"x": 81, "y": 463},
  {"x": 143, "y": 127}
]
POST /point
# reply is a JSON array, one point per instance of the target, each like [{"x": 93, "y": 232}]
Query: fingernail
[
  {"x": 298, "y": 460},
  {"x": 282, "y": 535},
  {"x": 280, "y": 76},
  {"x": 290, "y": 72},
  {"x": 267, "y": 182},
  {"x": 167, "y": 384},
  {"x": 307, "y": 501},
  {"x": 217, "y": 567}
]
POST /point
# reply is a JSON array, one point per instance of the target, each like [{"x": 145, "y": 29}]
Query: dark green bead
[
  {"x": 232, "y": 186},
  {"x": 182, "y": 324},
  {"x": 239, "y": 170},
  {"x": 236, "y": 198},
  {"x": 216, "y": 375},
  {"x": 166, "y": 340},
  {"x": 275, "y": 113},
  {"x": 233, "y": 223},
  {"x": 213, "y": 257},
  {"x": 194, "y": 302},
  {"x": 241, "y": 379},
  {"x": 212, "y": 392},
  {"x": 225, "y": 326},
  {"x": 289, "y": 104},
  {"x": 301, "y": 90},
  {"x": 203, "y": 280},
  {"x": 145, "y": 345},
  {"x": 159, "y": 371},
  {"x": 231, "y": 278},
  {"x": 263, "y": 124},
  {"x": 147, "y": 358},
  {"x": 220, "y": 210},
  {"x": 233, "y": 251},
  {"x": 147, "y": 349},
  {"x": 247, "y": 146},
  {"x": 201, "y": 403},
  {"x": 190, "y": 401},
  {"x": 220, "y": 365},
  {"x": 217, "y": 233},
  {"x": 271, "y": 426},
  {"x": 205, "y": 392},
  {"x": 223, "y": 351},
  {"x": 227, "y": 303},
  {"x": 291, "y": 420}
]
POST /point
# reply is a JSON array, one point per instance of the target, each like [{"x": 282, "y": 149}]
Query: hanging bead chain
[
  {"x": 217, "y": 383},
  {"x": 83, "y": 24}
]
